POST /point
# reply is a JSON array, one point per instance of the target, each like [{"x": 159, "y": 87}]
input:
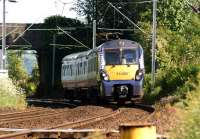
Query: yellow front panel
[
  {"x": 121, "y": 72},
  {"x": 148, "y": 132}
]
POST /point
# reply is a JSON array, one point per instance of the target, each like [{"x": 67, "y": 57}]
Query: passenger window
[
  {"x": 64, "y": 70},
  {"x": 78, "y": 68},
  {"x": 67, "y": 70},
  {"x": 81, "y": 69},
  {"x": 128, "y": 56},
  {"x": 70, "y": 70}
]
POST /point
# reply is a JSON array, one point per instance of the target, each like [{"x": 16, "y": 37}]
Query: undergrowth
[
  {"x": 171, "y": 82},
  {"x": 10, "y": 95},
  {"x": 189, "y": 114}
]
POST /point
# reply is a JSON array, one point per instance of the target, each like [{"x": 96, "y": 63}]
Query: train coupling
[{"x": 122, "y": 91}]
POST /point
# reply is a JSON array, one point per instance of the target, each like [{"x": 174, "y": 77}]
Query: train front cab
[{"x": 122, "y": 77}]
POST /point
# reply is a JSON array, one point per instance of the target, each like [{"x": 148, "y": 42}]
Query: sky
[{"x": 35, "y": 11}]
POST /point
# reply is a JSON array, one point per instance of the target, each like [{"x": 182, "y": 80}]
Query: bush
[
  {"x": 171, "y": 82},
  {"x": 18, "y": 74},
  {"x": 32, "y": 82},
  {"x": 189, "y": 114},
  {"x": 10, "y": 95},
  {"x": 16, "y": 70}
]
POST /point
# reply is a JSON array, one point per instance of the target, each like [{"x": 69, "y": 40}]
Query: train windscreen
[
  {"x": 112, "y": 57},
  {"x": 128, "y": 56},
  {"x": 120, "y": 56}
]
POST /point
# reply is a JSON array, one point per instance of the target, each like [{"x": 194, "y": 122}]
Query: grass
[
  {"x": 10, "y": 95},
  {"x": 184, "y": 85},
  {"x": 189, "y": 112}
]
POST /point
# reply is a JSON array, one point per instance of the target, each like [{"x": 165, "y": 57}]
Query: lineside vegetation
[
  {"x": 177, "y": 62},
  {"x": 10, "y": 95},
  {"x": 15, "y": 88},
  {"x": 19, "y": 75},
  {"x": 188, "y": 111}
]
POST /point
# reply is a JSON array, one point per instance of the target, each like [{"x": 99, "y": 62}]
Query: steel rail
[
  {"x": 19, "y": 114},
  {"x": 32, "y": 117},
  {"x": 16, "y": 134},
  {"x": 26, "y": 132},
  {"x": 87, "y": 121},
  {"x": 54, "y": 129}
]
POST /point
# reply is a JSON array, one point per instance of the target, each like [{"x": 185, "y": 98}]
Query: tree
[
  {"x": 173, "y": 14},
  {"x": 107, "y": 16},
  {"x": 53, "y": 22},
  {"x": 16, "y": 70}
]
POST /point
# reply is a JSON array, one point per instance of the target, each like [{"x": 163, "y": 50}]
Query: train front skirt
[{"x": 123, "y": 89}]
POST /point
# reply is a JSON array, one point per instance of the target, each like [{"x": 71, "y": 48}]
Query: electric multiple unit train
[{"x": 113, "y": 70}]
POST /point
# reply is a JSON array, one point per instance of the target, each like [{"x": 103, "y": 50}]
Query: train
[{"x": 112, "y": 71}]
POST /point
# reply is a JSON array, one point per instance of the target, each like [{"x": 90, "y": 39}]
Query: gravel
[
  {"x": 68, "y": 115},
  {"x": 164, "y": 118}
]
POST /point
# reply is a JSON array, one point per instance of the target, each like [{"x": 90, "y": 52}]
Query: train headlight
[
  {"x": 139, "y": 75},
  {"x": 104, "y": 75},
  {"x": 106, "y": 78}
]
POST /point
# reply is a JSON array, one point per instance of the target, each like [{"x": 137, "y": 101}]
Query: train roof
[
  {"x": 119, "y": 43},
  {"x": 77, "y": 55},
  {"x": 108, "y": 44}
]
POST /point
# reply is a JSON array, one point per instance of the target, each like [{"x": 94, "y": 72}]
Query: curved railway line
[
  {"x": 30, "y": 116},
  {"x": 87, "y": 121},
  {"x": 96, "y": 121},
  {"x": 16, "y": 115}
]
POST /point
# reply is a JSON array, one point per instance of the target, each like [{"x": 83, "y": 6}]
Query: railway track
[
  {"x": 86, "y": 121},
  {"x": 28, "y": 132},
  {"x": 29, "y": 116},
  {"x": 66, "y": 127},
  {"x": 20, "y": 114},
  {"x": 39, "y": 113},
  {"x": 55, "y": 133},
  {"x": 99, "y": 118},
  {"x": 104, "y": 117},
  {"x": 42, "y": 114}
]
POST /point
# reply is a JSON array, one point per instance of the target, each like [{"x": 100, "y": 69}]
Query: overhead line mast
[
  {"x": 94, "y": 25},
  {"x": 153, "y": 67}
]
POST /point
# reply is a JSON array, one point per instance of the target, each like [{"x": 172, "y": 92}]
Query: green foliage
[
  {"x": 16, "y": 71},
  {"x": 175, "y": 81},
  {"x": 35, "y": 75},
  {"x": 108, "y": 17},
  {"x": 18, "y": 74},
  {"x": 77, "y": 31},
  {"x": 10, "y": 95},
  {"x": 146, "y": 43},
  {"x": 189, "y": 114},
  {"x": 178, "y": 61},
  {"x": 173, "y": 14},
  {"x": 33, "y": 81},
  {"x": 179, "y": 49},
  {"x": 54, "y": 21}
]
